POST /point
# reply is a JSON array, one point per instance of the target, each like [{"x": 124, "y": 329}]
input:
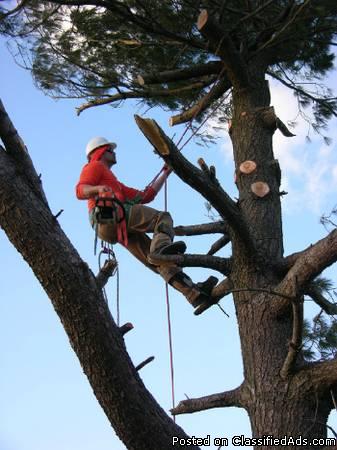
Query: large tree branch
[
  {"x": 137, "y": 419},
  {"x": 223, "y": 46},
  {"x": 216, "y": 92},
  {"x": 222, "y": 265},
  {"x": 196, "y": 178},
  {"x": 220, "y": 400},
  {"x": 322, "y": 374},
  {"x": 199, "y": 70},
  {"x": 307, "y": 266}
]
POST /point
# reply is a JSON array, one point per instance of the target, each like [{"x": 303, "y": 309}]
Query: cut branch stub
[
  {"x": 140, "y": 80},
  {"x": 247, "y": 167},
  {"x": 202, "y": 19},
  {"x": 152, "y": 133},
  {"x": 144, "y": 363},
  {"x": 260, "y": 188}
]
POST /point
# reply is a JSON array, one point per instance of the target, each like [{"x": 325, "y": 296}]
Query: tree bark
[{"x": 97, "y": 341}]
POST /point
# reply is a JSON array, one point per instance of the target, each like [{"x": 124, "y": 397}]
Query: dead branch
[
  {"x": 106, "y": 272},
  {"x": 217, "y": 91},
  {"x": 195, "y": 178},
  {"x": 205, "y": 228},
  {"x": 199, "y": 70},
  {"x": 218, "y": 245},
  {"x": 220, "y": 400},
  {"x": 144, "y": 363},
  {"x": 296, "y": 340}
]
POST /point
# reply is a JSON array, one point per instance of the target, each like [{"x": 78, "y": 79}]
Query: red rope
[{"x": 168, "y": 309}]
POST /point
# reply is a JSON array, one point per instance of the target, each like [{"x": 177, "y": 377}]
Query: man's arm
[
  {"x": 85, "y": 191},
  {"x": 158, "y": 183}
]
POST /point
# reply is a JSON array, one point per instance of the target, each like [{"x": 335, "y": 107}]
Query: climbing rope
[{"x": 168, "y": 311}]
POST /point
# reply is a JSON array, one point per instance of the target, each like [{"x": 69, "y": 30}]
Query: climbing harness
[{"x": 107, "y": 210}]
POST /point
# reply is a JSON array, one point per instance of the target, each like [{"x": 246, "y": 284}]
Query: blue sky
[{"x": 46, "y": 401}]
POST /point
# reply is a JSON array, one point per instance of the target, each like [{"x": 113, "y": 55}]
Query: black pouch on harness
[{"x": 108, "y": 210}]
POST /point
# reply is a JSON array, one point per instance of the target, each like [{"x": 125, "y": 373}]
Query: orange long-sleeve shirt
[{"x": 96, "y": 173}]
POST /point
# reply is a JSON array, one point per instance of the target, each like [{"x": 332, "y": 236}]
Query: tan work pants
[{"x": 142, "y": 220}]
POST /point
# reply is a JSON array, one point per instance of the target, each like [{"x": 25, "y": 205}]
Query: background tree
[{"x": 179, "y": 55}]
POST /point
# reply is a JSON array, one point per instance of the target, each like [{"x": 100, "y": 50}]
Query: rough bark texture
[
  {"x": 137, "y": 419},
  {"x": 275, "y": 406}
]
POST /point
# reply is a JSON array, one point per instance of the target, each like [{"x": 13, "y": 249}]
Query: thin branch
[
  {"x": 319, "y": 100},
  {"x": 328, "y": 307},
  {"x": 148, "y": 93},
  {"x": 254, "y": 13},
  {"x": 220, "y": 400},
  {"x": 18, "y": 8},
  {"x": 283, "y": 29},
  {"x": 195, "y": 178},
  {"x": 205, "y": 228},
  {"x": 218, "y": 245},
  {"x": 296, "y": 340}
]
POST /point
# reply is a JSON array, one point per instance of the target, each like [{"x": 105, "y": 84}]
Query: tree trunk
[
  {"x": 137, "y": 418},
  {"x": 276, "y": 406}
]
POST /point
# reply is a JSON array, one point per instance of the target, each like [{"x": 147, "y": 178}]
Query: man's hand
[
  {"x": 167, "y": 170},
  {"x": 103, "y": 188}
]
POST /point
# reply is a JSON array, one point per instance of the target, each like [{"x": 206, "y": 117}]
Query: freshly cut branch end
[
  {"x": 260, "y": 189},
  {"x": 247, "y": 167},
  {"x": 140, "y": 80},
  {"x": 202, "y": 19},
  {"x": 152, "y": 132},
  {"x": 126, "y": 328}
]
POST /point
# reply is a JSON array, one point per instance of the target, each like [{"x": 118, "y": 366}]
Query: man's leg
[
  {"x": 142, "y": 219},
  {"x": 145, "y": 219}
]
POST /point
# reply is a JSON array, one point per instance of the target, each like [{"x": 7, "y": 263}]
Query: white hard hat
[{"x": 97, "y": 142}]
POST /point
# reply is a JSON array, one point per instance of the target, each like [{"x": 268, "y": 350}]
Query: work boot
[
  {"x": 174, "y": 248},
  {"x": 194, "y": 294},
  {"x": 208, "y": 285}
]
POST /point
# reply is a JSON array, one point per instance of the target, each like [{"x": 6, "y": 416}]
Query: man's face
[{"x": 110, "y": 157}]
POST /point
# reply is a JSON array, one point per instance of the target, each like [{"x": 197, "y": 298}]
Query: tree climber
[{"x": 98, "y": 180}]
